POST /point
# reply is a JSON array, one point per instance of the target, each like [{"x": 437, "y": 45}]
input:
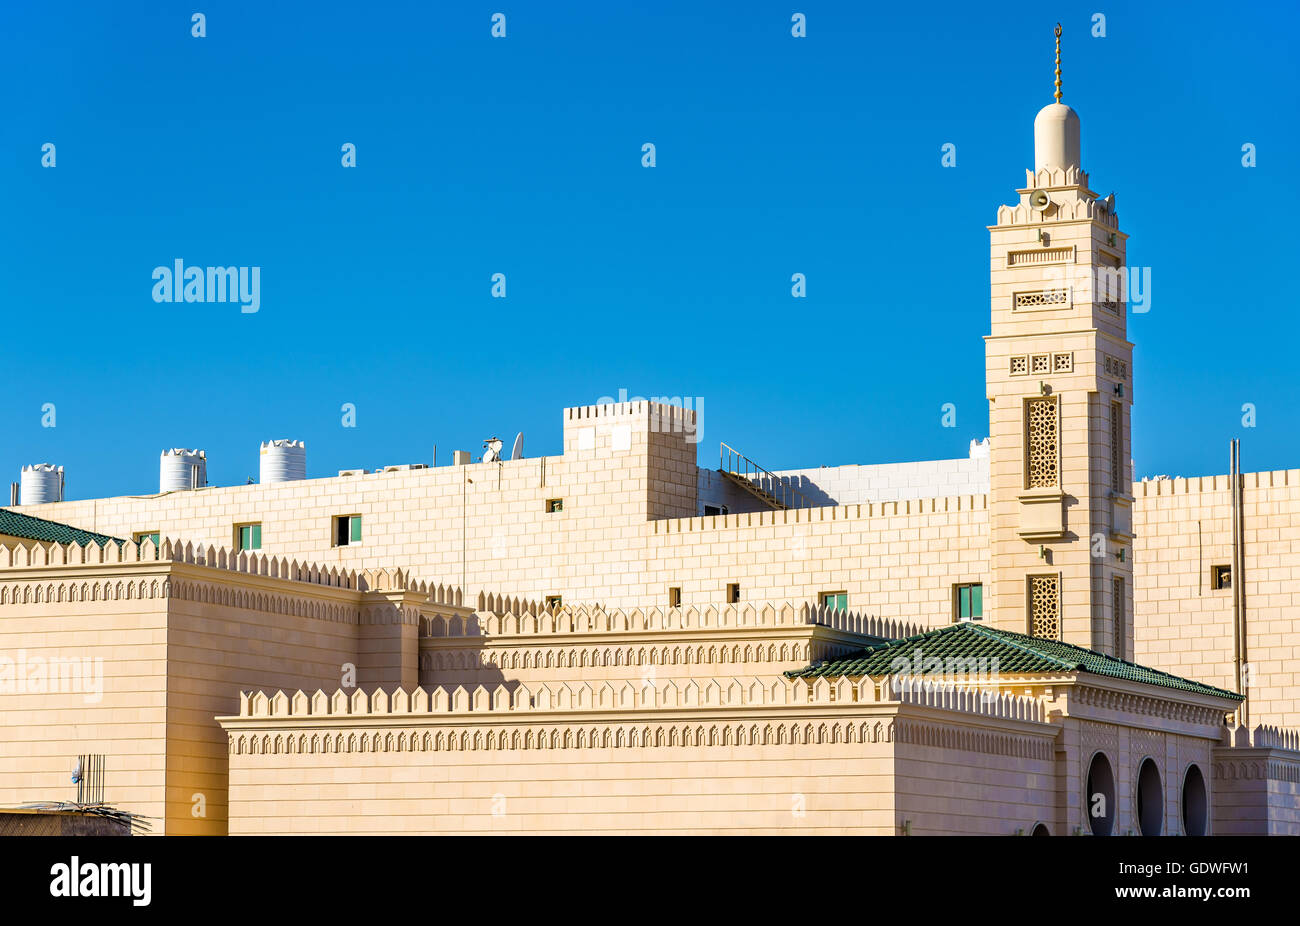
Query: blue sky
[{"x": 522, "y": 156}]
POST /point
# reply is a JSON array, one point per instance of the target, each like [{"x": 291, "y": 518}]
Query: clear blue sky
[{"x": 522, "y": 156}]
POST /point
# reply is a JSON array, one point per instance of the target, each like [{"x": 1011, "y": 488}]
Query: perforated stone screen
[
  {"x": 1040, "y": 444},
  {"x": 1045, "y": 607},
  {"x": 1117, "y": 608}
]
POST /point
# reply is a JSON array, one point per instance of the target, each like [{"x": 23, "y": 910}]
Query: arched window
[
  {"x": 1196, "y": 803},
  {"x": 1099, "y": 796},
  {"x": 1040, "y": 830},
  {"x": 1150, "y": 799}
]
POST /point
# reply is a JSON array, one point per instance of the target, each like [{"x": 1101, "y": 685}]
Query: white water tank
[
  {"x": 283, "y": 461},
  {"x": 41, "y": 483},
  {"x": 180, "y": 469}
]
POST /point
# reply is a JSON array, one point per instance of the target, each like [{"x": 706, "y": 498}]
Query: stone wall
[{"x": 754, "y": 756}]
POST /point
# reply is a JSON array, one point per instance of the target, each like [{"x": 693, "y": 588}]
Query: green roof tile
[
  {"x": 14, "y": 524},
  {"x": 1016, "y": 654}
]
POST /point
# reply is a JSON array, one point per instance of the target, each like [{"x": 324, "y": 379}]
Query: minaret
[{"x": 1059, "y": 372}]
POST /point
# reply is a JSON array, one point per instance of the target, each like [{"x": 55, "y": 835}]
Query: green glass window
[
  {"x": 250, "y": 537},
  {"x": 970, "y": 602},
  {"x": 837, "y": 600},
  {"x": 356, "y": 529}
]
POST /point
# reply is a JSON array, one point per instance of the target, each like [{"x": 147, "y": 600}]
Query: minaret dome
[
  {"x": 1056, "y": 128},
  {"x": 1056, "y": 137}
]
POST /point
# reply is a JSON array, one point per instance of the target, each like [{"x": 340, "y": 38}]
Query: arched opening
[
  {"x": 1150, "y": 799},
  {"x": 1099, "y": 796},
  {"x": 1040, "y": 830},
  {"x": 1196, "y": 803}
]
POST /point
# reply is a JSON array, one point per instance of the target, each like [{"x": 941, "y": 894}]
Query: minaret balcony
[
  {"x": 1042, "y": 515},
  {"x": 1121, "y": 517}
]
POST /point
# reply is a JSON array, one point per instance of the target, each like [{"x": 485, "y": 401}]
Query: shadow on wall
[
  {"x": 470, "y": 658},
  {"x": 816, "y": 496},
  {"x": 718, "y": 492}
]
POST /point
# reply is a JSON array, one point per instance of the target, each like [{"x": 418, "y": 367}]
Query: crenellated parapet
[
  {"x": 887, "y": 512},
  {"x": 1263, "y": 736},
  {"x": 748, "y": 712},
  {"x": 1090, "y": 209},
  {"x": 128, "y": 556},
  {"x": 646, "y": 695},
  {"x": 1165, "y": 487},
  {"x": 505, "y": 616},
  {"x": 1048, "y": 178},
  {"x": 1256, "y": 777}
]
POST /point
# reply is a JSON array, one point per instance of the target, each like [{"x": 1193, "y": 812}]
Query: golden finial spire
[{"x": 1058, "y": 62}]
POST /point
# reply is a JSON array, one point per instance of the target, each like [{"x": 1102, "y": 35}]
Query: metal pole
[
  {"x": 1236, "y": 627},
  {"x": 1239, "y": 582}
]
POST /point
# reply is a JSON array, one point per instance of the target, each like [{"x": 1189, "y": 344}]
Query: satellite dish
[
  {"x": 492, "y": 450},
  {"x": 517, "y": 452}
]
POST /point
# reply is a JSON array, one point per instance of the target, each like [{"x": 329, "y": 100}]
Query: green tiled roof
[
  {"x": 1016, "y": 654},
  {"x": 13, "y": 524}
]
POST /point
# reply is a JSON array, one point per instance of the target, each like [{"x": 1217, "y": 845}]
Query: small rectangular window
[
  {"x": 714, "y": 510},
  {"x": 248, "y": 536},
  {"x": 970, "y": 602},
  {"x": 1220, "y": 577},
  {"x": 675, "y": 597},
  {"x": 733, "y": 592},
  {"x": 553, "y": 602},
  {"x": 836, "y": 600},
  {"x": 347, "y": 530},
  {"x": 141, "y": 536},
  {"x": 554, "y": 504}
]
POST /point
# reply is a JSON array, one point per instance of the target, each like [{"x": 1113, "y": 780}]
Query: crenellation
[{"x": 845, "y": 695}]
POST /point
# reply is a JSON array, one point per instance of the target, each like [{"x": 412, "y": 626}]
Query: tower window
[
  {"x": 554, "y": 602},
  {"x": 554, "y": 504},
  {"x": 141, "y": 536},
  {"x": 714, "y": 510},
  {"x": 675, "y": 597},
  {"x": 1220, "y": 577},
  {"x": 733, "y": 593},
  {"x": 969, "y": 602},
  {"x": 1041, "y": 466}
]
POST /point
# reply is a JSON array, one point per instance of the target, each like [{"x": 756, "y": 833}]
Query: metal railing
[
  {"x": 766, "y": 485},
  {"x": 89, "y": 778}
]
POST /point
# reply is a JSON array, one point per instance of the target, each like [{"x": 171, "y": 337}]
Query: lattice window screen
[
  {"x": 1040, "y": 299},
  {"x": 1116, "y": 446},
  {"x": 1040, "y": 444},
  {"x": 1117, "y": 607},
  {"x": 1045, "y": 607}
]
